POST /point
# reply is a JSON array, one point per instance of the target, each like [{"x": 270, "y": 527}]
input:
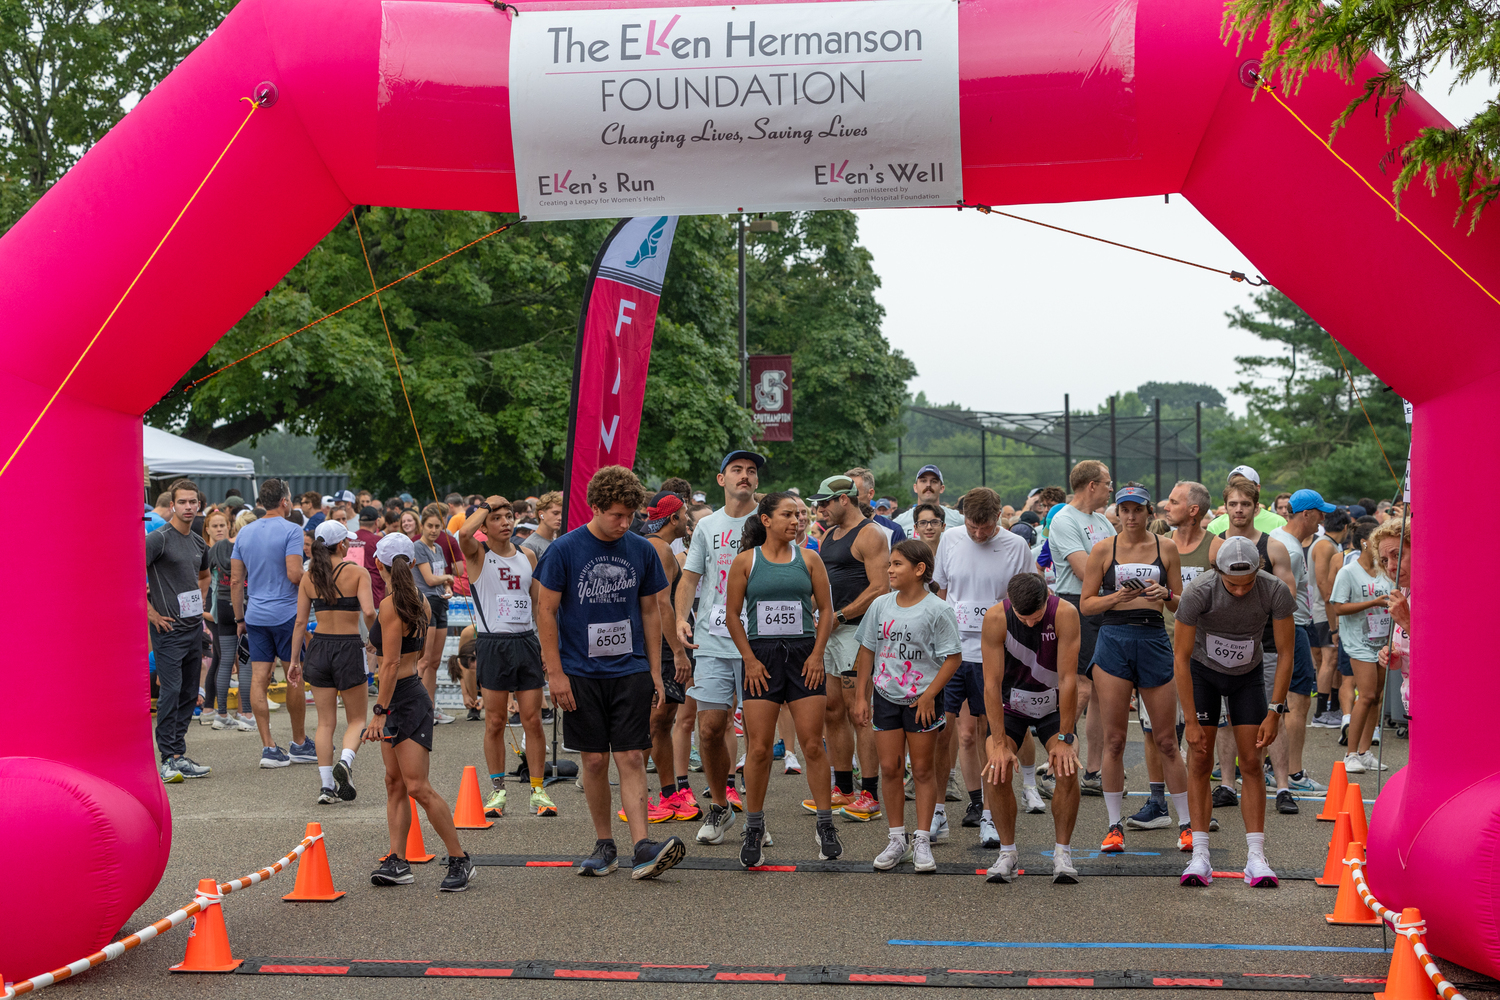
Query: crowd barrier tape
[
  {"x": 1411, "y": 930},
  {"x": 115, "y": 949}
]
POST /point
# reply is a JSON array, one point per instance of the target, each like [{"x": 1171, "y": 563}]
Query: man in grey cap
[{"x": 1219, "y": 652}]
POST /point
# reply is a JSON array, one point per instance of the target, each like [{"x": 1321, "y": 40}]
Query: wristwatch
[
  {"x": 1067, "y": 738},
  {"x": 380, "y": 709},
  {"x": 840, "y": 616},
  {"x": 483, "y": 506},
  {"x": 1278, "y": 707}
]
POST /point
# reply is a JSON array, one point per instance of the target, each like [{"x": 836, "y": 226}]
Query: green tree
[
  {"x": 1306, "y": 426},
  {"x": 1412, "y": 38},
  {"x": 69, "y": 69}
]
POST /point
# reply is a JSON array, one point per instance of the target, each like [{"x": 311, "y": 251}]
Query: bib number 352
[{"x": 610, "y": 639}]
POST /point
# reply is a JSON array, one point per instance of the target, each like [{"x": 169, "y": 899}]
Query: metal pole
[
  {"x": 1156, "y": 414},
  {"x": 1198, "y": 447},
  {"x": 1067, "y": 442},
  {"x": 1113, "y": 469},
  {"x": 899, "y": 442},
  {"x": 744, "y": 352},
  {"x": 982, "y": 436}
]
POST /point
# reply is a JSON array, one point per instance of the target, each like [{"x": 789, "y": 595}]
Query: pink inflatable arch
[{"x": 406, "y": 102}]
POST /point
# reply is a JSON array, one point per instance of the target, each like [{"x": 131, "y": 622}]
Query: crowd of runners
[{"x": 929, "y": 655}]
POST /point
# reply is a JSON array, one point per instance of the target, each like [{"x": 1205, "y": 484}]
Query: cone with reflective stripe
[
  {"x": 1349, "y": 909},
  {"x": 314, "y": 880},
  {"x": 1333, "y": 868},
  {"x": 1333, "y": 802},
  {"x": 468, "y": 812},
  {"x": 1407, "y": 979},
  {"x": 1354, "y": 805},
  {"x": 416, "y": 851},
  {"x": 208, "y": 940}
]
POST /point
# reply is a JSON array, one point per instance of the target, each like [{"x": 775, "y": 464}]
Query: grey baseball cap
[{"x": 1238, "y": 556}]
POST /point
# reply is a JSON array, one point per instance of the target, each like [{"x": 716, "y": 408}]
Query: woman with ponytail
[
  {"x": 337, "y": 591},
  {"x": 402, "y": 722}
]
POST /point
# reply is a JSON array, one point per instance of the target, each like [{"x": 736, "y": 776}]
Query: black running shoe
[
  {"x": 327, "y": 797},
  {"x": 1285, "y": 804},
  {"x": 343, "y": 781},
  {"x": 393, "y": 870},
  {"x": 601, "y": 862},
  {"x": 652, "y": 859},
  {"x": 475, "y": 716},
  {"x": 972, "y": 813},
  {"x": 460, "y": 872},
  {"x": 829, "y": 847},
  {"x": 1224, "y": 796},
  {"x": 751, "y": 855}
]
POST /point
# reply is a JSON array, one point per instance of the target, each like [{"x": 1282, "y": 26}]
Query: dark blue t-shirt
[{"x": 602, "y": 583}]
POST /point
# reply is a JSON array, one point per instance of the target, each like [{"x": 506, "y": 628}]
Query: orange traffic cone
[
  {"x": 1349, "y": 909},
  {"x": 416, "y": 851},
  {"x": 468, "y": 813},
  {"x": 1333, "y": 802},
  {"x": 1407, "y": 979},
  {"x": 314, "y": 880},
  {"x": 1354, "y": 805},
  {"x": 1333, "y": 868},
  {"x": 208, "y": 940}
]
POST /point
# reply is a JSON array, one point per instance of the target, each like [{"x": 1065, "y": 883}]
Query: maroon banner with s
[
  {"x": 613, "y": 354},
  {"x": 771, "y": 395}
]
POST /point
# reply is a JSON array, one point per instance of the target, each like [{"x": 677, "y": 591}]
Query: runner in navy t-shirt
[{"x": 600, "y": 631}]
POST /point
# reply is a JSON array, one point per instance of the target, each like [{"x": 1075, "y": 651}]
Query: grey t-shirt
[
  {"x": 1303, "y": 615},
  {"x": 1229, "y": 628},
  {"x": 172, "y": 564},
  {"x": 910, "y": 644},
  {"x": 438, "y": 565},
  {"x": 537, "y": 544},
  {"x": 1073, "y": 531}
]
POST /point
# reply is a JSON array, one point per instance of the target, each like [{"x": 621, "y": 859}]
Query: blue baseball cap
[
  {"x": 1310, "y": 500},
  {"x": 1134, "y": 494},
  {"x": 759, "y": 460},
  {"x": 932, "y": 469}
]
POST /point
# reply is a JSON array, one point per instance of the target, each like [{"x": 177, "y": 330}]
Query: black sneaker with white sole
[
  {"x": 972, "y": 813},
  {"x": 829, "y": 846},
  {"x": 393, "y": 870},
  {"x": 751, "y": 854},
  {"x": 343, "y": 782},
  {"x": 603, "y": 861},
  {"x": 1286, "y": 804},
  {"x": 327, "y": 797},
  {"x": 652, "y": 859},
  {"x": 460, "y": 872}
]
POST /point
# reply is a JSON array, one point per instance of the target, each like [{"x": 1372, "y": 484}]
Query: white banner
[{"x": 760, "y": 107}]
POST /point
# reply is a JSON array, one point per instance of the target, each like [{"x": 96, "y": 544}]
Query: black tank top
[
  {"x": 1152, "y": 572},
  {"x": 342, "y": 602},
  {"x": 846, "y": 572},
  {"x": 409, "y": 643}
]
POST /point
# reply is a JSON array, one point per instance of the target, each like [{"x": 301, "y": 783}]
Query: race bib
[
  {"x": 1190, "y": 573},
  {"x": 515, "y": 609},
  {"x": 610, "y": 639},
  {"x": 1377, "y": 623},
  {"x": 1094, "y": 533},
  {"x": 778, "y": 618},
  {"x": 970, "y": 616},
  {"x": 190, "y": 604},
  {"x": 718, "y": 621},
  {"x": 1229, "y": 652},
  {"x": 1144, "y": 572},
  {"x": 1033, "y": 704}
]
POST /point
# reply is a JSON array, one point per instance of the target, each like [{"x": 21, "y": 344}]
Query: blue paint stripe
[
  {"x": 1133, "y": 945},
  {"x": 1269, "y": 795}
]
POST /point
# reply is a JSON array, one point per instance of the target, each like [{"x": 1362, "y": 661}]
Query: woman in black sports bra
[
  {"x": 336, "y": 590},
  {"x": 402, "y": 722}
]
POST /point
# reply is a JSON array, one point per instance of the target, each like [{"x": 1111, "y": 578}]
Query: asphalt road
[{"x": 241, "y": 818}]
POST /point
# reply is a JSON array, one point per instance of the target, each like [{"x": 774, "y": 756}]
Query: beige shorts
[{"x": 838, "y": 655}]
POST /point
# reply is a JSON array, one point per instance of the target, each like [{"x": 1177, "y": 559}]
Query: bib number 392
[
  {"x": 610, "y": 639},
  {"x": 1230, "y": 652},
  {"x": 1033, "y": 704}
]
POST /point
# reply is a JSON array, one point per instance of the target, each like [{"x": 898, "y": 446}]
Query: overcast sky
[{"x": 959, "y": 286}]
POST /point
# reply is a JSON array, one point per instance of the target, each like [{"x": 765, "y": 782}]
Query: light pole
[{"x": 756, "y": 226}]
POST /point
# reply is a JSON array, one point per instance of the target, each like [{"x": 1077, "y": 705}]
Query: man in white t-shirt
[
  {"x": 929, "y": 489},
  {"x": 972, "y": 570},
  {"x": 1073, "y": 533}
]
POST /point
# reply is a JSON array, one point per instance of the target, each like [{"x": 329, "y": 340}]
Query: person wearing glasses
[{"x": 177, "y": 582}]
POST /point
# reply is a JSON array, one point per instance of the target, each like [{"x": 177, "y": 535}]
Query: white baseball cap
[
  {"x": 1247, "y": 472},
  {"x": 347, "y": 496},
  {"x": 331, "y": 533},
  {"x": 392, "y": 545}
]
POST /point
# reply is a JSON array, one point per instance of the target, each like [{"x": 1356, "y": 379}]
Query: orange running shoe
[
  {"x": 733, "y": 795},
  {"x": 684, "y": 805},
  {"x": 656, "y": 812},
  {"x": 1114, "y": 840},
  {"x": 863, "y": 808},
  {"x": 1185, "y": 840},
  {"x": 839, "y": 801}
]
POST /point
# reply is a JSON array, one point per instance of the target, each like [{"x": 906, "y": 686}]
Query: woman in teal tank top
[{"x": 778, "y": 585}]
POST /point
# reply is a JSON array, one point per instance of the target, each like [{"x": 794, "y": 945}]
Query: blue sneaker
[
  {"x": 305, "y": 752},
  {"x": 1153, "y": 816},
  {"x": 601, "y": 862},
  {"x": 274, "y": 757},
  {"x": 651, "y": 858},
  {"x": 778, "y": 750}
]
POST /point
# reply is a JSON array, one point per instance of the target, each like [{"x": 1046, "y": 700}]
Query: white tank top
[{"x": 502, "y": 594}]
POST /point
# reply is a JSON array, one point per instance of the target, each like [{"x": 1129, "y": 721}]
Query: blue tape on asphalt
[
  {"x": 1133, "y": 945},
  {"x": 1272, "y": 795}
]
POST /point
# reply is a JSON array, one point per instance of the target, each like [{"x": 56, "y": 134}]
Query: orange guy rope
[{"x": 128, "y": 289}]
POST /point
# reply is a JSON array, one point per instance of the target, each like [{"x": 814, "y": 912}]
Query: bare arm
[
  {"x": 1092, "y": 602},
  {"x": 823, "y": 601},
  {"x": 547, "y": 603},
  {"x": 237, "y": 589},
  {"x": 1069, "y": 642},
  {"x": 686, "y": 591},
  {"x": 365, "y": 591},
  {"x": 651, "y": 626},
  {"x": 1000, "y": 755},
  {"x": 1324, "y": 570},
  {"x": 294, "y": 569},
  {"x": 299, "y": 630},
  {"x": 1281, "y": 564}
]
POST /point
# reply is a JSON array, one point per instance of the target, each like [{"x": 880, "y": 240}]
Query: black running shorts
[
  {"x": 1047, "y": 727},
  {"x": 334, "y": 661},
  {"x": 888, "y": 716},
  {"x": 612, "y": 714},
  {"x": 410, "y": 716},
  {"x": 1244, "y": 693},
  {"x": 784, "y": 660},
  {"x": 508, "y": 661}
]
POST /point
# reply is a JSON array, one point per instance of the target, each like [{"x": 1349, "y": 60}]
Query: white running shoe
[
  {"x": 1032, "y": 800},
  {"x": 714, "y": 828},
  {"x": 222, "y": 722},
  {"x": 441, "y": 718},
  {"x": 940, "y": 832},
  {"x": 989, "y": 837},
  {"x": 921, "y": 856},
  {"x": 1370, "y": 761},
  {"x": 791, "y": 765},
  {"x": 1375, "y": 737},
  {"x": 1354, "y": 763},
  {"x": 1063, "y": 872},
  {"x": 1259, "y": 874},
  {"x": 1199, "y": 872},
  {"x": 896, "y": 851},
  {"x": 1005, "y": 867},
  {"x": 739, "y": 767}
]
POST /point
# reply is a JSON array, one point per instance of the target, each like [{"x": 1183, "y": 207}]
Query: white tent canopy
[{"x": 169, "y": 455}]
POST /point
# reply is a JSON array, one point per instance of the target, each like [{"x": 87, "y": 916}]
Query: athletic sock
[
  {"x": 871, "y": 785},
  {"x": 1180, "y": 806},
  {"x": 1322, "y": 702},
  {"x": 1060, "y": 848},
  {"x": 668, "y": 789},
  {"x": 536, "y": 784},
  {"x": 683, "y": 785},
  {"x": 923, "y": 835},
  {"x": 898, "y": 831},
  {"x": 1007, "y": 848},
  {"x": 986, "y": 816},
  {"x": 1112, "y": 802},
  {"x": 939, "y": 810},
  {"x": 755, "y": 820},
  {"x": 1255, "y": 843},
  {"x": 347, "y": 757},
  {"x": 825, "y": 816},
  {"x": 1200, "y": 845},
  {"x": 326, "y": 773},
  {"x": 1298, "y": 776},
  {"x": 977, "y": 795},
  {"x": 1028, "y": 776},
  {"x": 1159, "y": 792},
  {"x": 844, "y": 781},
  {"x": 497, "y": 782}
]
